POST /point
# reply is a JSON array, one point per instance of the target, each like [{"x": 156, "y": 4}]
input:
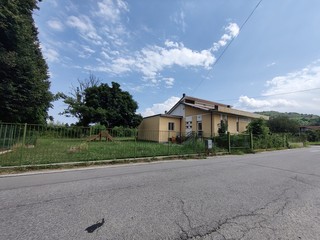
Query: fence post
[
  {"x": 135, "y": 142},
  {"x": 251, "y": 141},
  {"x": 229, "y": 142},
  {"x": 24, "y": 134},
  {"x": 23, "y": 142},
  {"x": 168, "y": 143}
]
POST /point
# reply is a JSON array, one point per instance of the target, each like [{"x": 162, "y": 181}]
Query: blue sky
[{"x": 158, "y": 50}]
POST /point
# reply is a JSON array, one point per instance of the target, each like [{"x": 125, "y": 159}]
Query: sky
[{"x": 252, "y": 55}]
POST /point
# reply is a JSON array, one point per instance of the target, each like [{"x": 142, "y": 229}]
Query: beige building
[{"x": 194, "y": 116}]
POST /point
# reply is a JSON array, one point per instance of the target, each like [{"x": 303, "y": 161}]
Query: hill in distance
[{"x": 302, "y": 119}]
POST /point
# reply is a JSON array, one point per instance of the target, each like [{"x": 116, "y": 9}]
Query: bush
[{"x": 270, "y": 141}]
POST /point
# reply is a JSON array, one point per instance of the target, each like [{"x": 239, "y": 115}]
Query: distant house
[
  {"x": 309, "y": 128},
  {"x": 194, "y": 116}
]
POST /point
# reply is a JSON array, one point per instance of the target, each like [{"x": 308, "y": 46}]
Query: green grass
[
  {"x": 48, "y": 151},
  {"x": 313, "y": 143}
]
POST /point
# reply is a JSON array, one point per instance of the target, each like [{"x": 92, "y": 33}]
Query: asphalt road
[{"x": 272, "y": 195}]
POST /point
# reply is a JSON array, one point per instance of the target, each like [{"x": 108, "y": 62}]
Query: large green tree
[
  {"x": 94, "y": 102},
  {"x": 258, "y": 127},
  {"x": 24, "y": 84},
  {"x": 283, "y": 124}
]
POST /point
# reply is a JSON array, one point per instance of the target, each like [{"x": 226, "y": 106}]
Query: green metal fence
[{"x": 27, "y": 144}]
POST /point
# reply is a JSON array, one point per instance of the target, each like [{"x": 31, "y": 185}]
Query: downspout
[
  {"x": 211, "y": 122},
  {"x": 180, "y": 127}
]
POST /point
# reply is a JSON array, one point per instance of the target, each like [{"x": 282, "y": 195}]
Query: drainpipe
[
  {"x": 211, "y": 122},
  {"x": 180, "y": 127}
]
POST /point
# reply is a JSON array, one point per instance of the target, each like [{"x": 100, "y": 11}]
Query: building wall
[
  {"x": 165, "y": 133},
  {"x": 232, "y": 124},
  {"x": 179, "y": 111},
  {"x": 155, "y": 128},
  {"x": 211, "y": 124},
  {"x": 243, "y": 123},
  {"x": 193, "y": 112},
  {"x": 206, "y": 125},
  {"x": 215, "y": 123},
  {"x": 149, "y": 129}
]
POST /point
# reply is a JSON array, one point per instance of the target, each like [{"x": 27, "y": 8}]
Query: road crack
[{"x": 241, "y": 224}]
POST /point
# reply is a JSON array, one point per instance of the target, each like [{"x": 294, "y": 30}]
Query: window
[
  {"x": 238, "y": 124},
  {"x": 199, "y": 129},
  {"x": 171, "y": 126}
]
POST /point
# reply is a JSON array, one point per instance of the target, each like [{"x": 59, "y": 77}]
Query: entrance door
[{"x": 188, "y": 125}]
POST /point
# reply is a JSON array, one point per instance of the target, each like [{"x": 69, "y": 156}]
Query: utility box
[{"x": 208, "y": 144}]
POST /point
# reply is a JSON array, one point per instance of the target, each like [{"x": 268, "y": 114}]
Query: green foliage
[
  {"x": 94, "y": 102},
  {"x": 124, "y": 132},
  {"x": 313, "y": 136},
  {"x": 302, "y": 119},
  {"x": 283, "y": 124},
  {"x": 258, "y": 127},
  {"x": 221, "y": 141},
  {"x": 24, "y": 84},
  {"x": 223, "y": 129},
  {"x": 270, "y": 141}
]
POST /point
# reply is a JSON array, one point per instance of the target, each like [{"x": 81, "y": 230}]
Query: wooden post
[
  {"x": 24, "y": 135},
  {"x": 229, "y": 142}
]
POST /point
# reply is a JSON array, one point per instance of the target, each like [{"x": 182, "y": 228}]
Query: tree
[
  {"x": 258, "y": 127},
  {"x": 223, "y": 129},
  {"x": 76, "y": 99},
  {"x": 24, "y": 84},
  {"x": 282, "y": 124},
  {"x": 95, "y": 102}
]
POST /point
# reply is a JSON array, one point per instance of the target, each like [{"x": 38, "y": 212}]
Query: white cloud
[
  {"x": 158, "y": 108},
  {"x": 86, "y": 51},
  {"x": 179, "y": 19},
  {"x": 172, "y": 44},
  {"x": 110, "y": 10},
  {"x": 270, "y": 103},
  {"x": 169, "y": 82},
  {"x": 271, "y": 64},
  {"x": 152, "y": 60},
  {"x": 110, "y": 23},
  {"x": 231, "y": 31},
  {"x": 86, "y": 28},
  {"x": 55, "y": 25},
  {"x": 294, "y": 92},
  {"x": 50, "y": 54}
]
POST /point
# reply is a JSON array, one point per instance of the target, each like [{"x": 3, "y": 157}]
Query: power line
[
  {"x": 272, "y": 95},
  {"x": 228, "y": 45}
]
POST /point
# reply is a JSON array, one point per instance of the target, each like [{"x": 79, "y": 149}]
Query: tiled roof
[
  {"x": 212, "y": 106},
  {"x": 311, "y": 127},
  {"x": 202, "y": 102}
]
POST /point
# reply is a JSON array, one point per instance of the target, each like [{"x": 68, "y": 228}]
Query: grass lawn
[{"x": 49, "y": 150}]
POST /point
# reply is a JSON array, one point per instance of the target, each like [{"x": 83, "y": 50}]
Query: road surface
[{"x": 271, "y": 195}]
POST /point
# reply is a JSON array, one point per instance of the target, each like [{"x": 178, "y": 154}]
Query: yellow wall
[
  {"x": 232, "y": 124},
  {"x": 208, "y": 126},
  {"x": 243, "y": 123},
  {"x": 156, "y": 128},
  {"x": 216, "y": 123},
  {"x": 165, "y": 134},
  {"x": 149, "y": 129},
  {"x": 190, "y": 111}
]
